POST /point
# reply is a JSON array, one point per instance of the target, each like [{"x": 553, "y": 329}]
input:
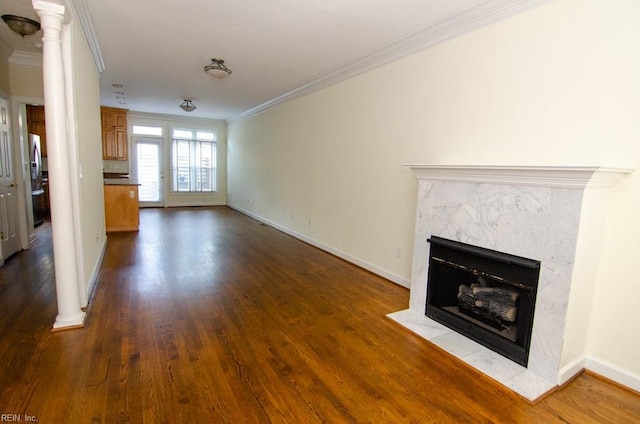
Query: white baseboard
[
  {"x": 603, "y": 368},
  {"x": 571, "y": 370},
  {"x": 191, "y": 204},
  {"x": 336, "y": 252},
  {"x": 613, "y": 372},
  {"x": 95, "y": 273}
]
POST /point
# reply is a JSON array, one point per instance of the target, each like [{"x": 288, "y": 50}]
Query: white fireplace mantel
[
  {"x": 544, "y": 176},
  {"x": 547, "y": 213}
]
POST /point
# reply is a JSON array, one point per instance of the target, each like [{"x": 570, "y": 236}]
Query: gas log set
[
  {"x": 494, "y": 304},
  {"x": 488, "y": 296}
]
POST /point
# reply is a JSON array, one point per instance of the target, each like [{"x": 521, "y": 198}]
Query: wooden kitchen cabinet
[
  {"x": 114, "y": 133},
  {"x": 121, "y": 208}
]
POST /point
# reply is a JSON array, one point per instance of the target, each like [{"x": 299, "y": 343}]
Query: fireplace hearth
[
  {"x": 486, "y": 295},
  {"x": 527, "y": 211}
]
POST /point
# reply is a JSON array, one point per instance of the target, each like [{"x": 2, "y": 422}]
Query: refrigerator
[{"x": 37, "y": 190}]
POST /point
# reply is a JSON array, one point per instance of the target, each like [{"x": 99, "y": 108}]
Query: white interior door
[
  {"x": 149, "y": 171},
  {"x": 9, "y": 242}
]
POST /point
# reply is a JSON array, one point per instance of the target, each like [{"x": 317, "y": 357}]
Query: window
[
  {"x": 144, "y": 130},
  {"x": 193, "y": 160}
]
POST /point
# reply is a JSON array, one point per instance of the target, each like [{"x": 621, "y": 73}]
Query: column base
[{"x": 69, "y": 324}]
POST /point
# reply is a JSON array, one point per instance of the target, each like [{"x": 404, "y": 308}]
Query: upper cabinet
[
  {"x": 35, "y": 125},
  {"x": 114, "y": 133}
]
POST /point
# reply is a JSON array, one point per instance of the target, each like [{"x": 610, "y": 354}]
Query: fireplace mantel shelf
[{"x": 547, "y": 176}]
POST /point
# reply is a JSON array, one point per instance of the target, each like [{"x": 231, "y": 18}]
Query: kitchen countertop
[{"x": 116, "y": 182}]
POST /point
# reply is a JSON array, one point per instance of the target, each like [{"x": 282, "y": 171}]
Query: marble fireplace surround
[{"x": 528, "y": 211}]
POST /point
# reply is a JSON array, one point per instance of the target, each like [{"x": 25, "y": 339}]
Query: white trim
[
  {"x": 193, "y": 204},
  {"x": 613, "y": 372},
  {"x": 570, "y": 370},
  {"x": 545, "y": 176},
  {"x": 470, "y": 19},
  {"x": 339, "y": 253},
  {"x": 18, "y": 106},
  {"x": 164, "y": 118},
  {"x": 95, "y": 274},
  {"x": 76, "y": 321},
  {"x": 81, "y": 11},
  {"x": 27, "y": 59},
  {"x": 48, "y": 6}
]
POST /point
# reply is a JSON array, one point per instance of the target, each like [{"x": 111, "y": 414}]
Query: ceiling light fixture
[
  {"x": 20, "y": 25},
  {"x": 188, "y": 106},
  {"x": 217, "y": 69}
]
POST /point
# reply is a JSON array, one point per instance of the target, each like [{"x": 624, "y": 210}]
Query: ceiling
[{"x": 276, "y": 49}]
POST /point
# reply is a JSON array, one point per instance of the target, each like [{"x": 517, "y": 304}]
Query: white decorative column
[{"x": 62, "y": 223}]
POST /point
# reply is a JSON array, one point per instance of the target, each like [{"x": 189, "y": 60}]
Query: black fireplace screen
[{"x": 486, "y": 295}]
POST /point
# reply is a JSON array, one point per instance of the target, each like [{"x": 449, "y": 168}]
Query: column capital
[
  {"x": 47, "y": 6},
  {"x": 46, "y": 9}
]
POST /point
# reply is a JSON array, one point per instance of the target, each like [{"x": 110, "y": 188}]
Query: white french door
[{"x": 149, "y": 171}]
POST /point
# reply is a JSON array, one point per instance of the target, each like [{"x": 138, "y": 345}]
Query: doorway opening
[{"x": 149, "y": 171}]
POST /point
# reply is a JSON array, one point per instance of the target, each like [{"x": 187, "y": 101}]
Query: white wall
[
  {"x": 4, "y": 76},
  {"x": 26, "y": 80},
  {"x": 556, "y": 85},
  {"x": 88, "y": 149}
]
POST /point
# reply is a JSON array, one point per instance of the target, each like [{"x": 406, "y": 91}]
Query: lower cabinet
[{"x": 121, "y": 207}]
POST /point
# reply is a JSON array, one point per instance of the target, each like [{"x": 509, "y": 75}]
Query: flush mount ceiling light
[
  {"x": 188, "y": 106},
  {"x": 217, "y": 69},
  {"x": 20, "y": 25}
]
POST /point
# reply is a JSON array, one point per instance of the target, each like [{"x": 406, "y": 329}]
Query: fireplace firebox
[{"x": 486, "y": 295}]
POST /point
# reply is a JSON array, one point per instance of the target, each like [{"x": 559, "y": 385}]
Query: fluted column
[{"x": 70, "y": 315}]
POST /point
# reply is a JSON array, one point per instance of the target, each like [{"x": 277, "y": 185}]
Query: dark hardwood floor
[{"x": 207, "y": 316}]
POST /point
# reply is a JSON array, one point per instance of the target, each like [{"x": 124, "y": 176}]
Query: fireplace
[
  {"x": 486, "y": 295},
  {"x": 530, "y": 212}
]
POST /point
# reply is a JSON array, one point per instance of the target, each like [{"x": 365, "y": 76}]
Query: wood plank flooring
[{"x": 207, "y": 316}]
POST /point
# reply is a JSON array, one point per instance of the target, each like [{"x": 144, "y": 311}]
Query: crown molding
[
  {"x": 542, "y": 176},
  {"x": 131, "y": 115},
  {"x": 472, "y": 18},
  {"x": 27, "y": 59},
  {"x": 80, "y": 10}
]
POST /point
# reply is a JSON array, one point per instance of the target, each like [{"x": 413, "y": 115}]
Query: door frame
[
  {"x": 21, "y": 156},
  {"x": 161, "y": 166}
]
